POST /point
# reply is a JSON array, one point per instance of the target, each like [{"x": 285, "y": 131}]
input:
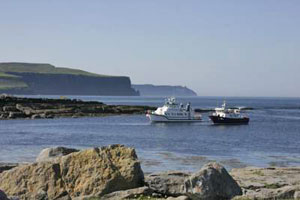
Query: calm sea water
[{"x": 271, "y": 139}]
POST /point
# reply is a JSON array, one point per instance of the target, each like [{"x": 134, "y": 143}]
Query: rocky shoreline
[
  {"x": 36, "y": 108},
  {"x": 114, "y": 172}
]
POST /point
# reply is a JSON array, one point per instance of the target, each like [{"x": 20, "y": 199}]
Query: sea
[{"x": 272, "y": 137}]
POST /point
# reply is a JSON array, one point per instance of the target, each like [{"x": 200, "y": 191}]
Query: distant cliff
[
  {"x": 46, "y": 79},
  {"x": 163, "y": 90}
]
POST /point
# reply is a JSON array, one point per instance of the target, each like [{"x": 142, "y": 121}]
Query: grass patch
[
  {"x": 258, "y": 173},
  {"x": 4, "y": 75},
  {"x": 272, "y": 186},
  {"x": 41, "y": 68},
  {"x": 11, "y": 83}
]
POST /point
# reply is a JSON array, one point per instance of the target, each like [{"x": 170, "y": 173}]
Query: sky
[{"x": 215, "y": 47}]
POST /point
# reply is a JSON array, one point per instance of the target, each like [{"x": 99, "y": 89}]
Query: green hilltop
[
  {"x": 46, "y": 79},
  {"x": 14, "y": 67},
  {"x": 9, "y": 73}
]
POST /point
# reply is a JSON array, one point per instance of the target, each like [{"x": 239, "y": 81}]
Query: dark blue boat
[
  {"x": 228, "y": 120},
  {"x": 228, "y": 116}
]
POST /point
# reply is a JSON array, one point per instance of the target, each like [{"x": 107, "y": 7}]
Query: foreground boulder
[
  {"x": 101, "y": 171},
  {"x": 211, "y": 182},
  {"x": 50, "y": 154},
  {"x": 35, "y": 181},
  {"x": 95, "y": 172},
  {"x": 167, "y": 183}
]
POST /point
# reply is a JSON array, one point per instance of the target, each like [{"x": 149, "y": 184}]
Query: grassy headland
[{"x": 46, "y": 79}]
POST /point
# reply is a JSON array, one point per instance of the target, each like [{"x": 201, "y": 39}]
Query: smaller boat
[
  {"x": 174, "y": 112},
  {"x": 228, "y": 116}
]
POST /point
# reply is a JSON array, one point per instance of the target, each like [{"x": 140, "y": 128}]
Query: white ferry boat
[{"x": 174, "y": 112}]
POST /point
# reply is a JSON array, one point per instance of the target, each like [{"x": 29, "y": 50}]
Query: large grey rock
[
  {"x": 297, "y": 195},
  {"x": 3, "y": 196},
  {"x": 167, "y": 183},
  {"x": 211, "y": 182},
  {"x": 14, "y": 115},
  {"x": 94, "y": 172},
  {"x": 100, "y": 171},
  {"x": 36, "y": 116},
  {"x": 10, "y": 109},
  {"x": 49, "y": 154}
]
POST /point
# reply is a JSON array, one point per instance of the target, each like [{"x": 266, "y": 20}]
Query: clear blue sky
[{"x": 217, "y": 48}]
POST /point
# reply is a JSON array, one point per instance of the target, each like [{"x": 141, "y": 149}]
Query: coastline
[
  {"x": 242, "y": 183},
  {"x": 42, "y": 108}
]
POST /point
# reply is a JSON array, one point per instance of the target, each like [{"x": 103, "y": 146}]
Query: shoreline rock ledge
[
  {"x": 12, "y": 107},
  {"x": 111, "y": 173}
]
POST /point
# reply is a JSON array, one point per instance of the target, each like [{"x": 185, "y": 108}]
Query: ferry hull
[
  {"x": 162, "y": 118},
  {"x": 226, "y": 120}
]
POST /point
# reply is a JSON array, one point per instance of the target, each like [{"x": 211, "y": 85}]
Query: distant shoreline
[{"x": 12, "y": 107}]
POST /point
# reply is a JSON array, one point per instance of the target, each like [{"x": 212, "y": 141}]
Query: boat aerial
[
  {"x": 174, "y": 112},
  {"x": 228, "y": 116}
]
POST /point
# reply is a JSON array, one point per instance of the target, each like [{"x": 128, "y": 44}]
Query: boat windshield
[{"x": 170, "y": 101}]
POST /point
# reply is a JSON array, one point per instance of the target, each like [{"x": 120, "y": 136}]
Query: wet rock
[
  {"x": 167, "y": 183},
  {"x": 7, "y": 166},
  {"x": 211, "y": 182},
  {"x": 35, "y": 116},
  {"x": 4, "y": 115},
  {"x": 10, "y": 109},
  {"x": 3, "y": 196},
  {"x": 14, "y": 115},
  {"x": 49, "y": 116},
  {"x": 36, "y": 108},
  {"x": 41, "y": 116},
  {"x": 49, "y": 154}
]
